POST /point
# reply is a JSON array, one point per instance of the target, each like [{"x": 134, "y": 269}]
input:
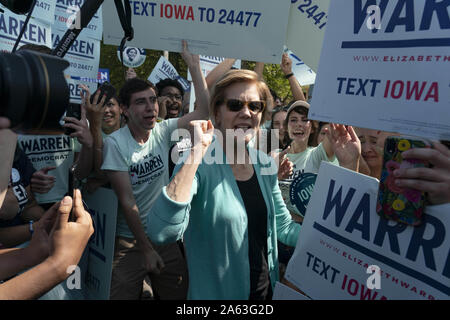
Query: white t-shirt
[
  {"x": 146, "y": 164},
  {"x": 51, "y": 151}
]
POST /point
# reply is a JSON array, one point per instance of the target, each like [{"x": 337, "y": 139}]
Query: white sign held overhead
[
  {"x": 306, "y": 29},
  {"x": 252, "y": 30},
  {"x": 304, "y": 74},
  {"x": 384, "y": 67},
  {"x": 163, "y": 70},
  {"x": 346, "y": 251}
]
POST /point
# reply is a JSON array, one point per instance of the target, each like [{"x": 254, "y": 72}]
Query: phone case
[{"x": 396, "y": 203}]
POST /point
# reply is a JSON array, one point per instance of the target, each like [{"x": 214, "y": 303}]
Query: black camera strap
[
  {"x": 124, "y": 12},
  {"x": 24, "y": 27},
  {"x": 84, "y": 16}
]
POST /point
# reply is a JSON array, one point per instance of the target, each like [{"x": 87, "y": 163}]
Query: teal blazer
[{"x": 213, "y": 225}]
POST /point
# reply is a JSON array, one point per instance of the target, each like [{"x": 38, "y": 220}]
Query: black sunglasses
[{"x": 236, "y": 105}]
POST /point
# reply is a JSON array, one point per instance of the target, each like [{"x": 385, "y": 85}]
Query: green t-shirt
[
  {"x": 146, "y": 164},
  {"x": 51, "y": 151}
]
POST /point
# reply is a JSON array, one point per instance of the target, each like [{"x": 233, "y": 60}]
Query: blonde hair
[{"x": 239, "y": 76}]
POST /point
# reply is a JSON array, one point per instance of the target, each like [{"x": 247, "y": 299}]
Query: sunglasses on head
[{"x": 236, "y": 105}]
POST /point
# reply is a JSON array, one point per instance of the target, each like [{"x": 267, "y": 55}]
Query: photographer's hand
[{"x": 67, "y": 243}]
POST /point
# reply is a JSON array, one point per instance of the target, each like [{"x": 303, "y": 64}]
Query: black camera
[
  {"x": 33, "y": 89},
  {"x": 16, "y": 6}
]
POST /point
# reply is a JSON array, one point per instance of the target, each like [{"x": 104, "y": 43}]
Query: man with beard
[{"x": 170, "y": 98}]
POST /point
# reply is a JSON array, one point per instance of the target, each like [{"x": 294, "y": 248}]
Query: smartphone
[
  {"x": 400, "y": 204},
  {"x": 73, "y": 184},
  {"x": 73, "y": 110},
  {"x": 105, "y": 89}
]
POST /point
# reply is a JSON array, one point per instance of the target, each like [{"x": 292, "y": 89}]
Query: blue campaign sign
[
  {"x": 103, "y": 75},
  {"x": 301, "y": 190}
]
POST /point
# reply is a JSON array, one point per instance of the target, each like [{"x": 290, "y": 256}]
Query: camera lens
[
  {"x": 33, "y": 90},
  {"x": 18, "y": 6}
]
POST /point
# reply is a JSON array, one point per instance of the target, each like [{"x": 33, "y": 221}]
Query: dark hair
[
  {"x": 169, "y": 83},
  {"x": 303, "y": 111},
  {"x": 36, "y": 48},
  {"x": 132, "y": 86}
]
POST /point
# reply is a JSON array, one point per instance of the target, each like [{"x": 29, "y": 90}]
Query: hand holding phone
[
  {"x": 74, "y": 111},
  {"x": 107, "y": 90},
  {"x": 402, "y": 204}
]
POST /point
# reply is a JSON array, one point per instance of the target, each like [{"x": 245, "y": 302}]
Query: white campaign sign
[
  {"x": 306, "y": 29},
  {"x": 37, "y": 31},
  {"x": 304, "y": 74},
  {"x": 103, "y": 206},
  {"x": 163, "y": 70},
  {"x": 84, "y": 58},
  {"x": 66, "y": 12},
  {"x": 342, "y": 236},
  {"x": 45, "y": 11},
  {"x": 208, "y": 63},
  {"x": 386, "y": 67},
  {"x": 252, "y": 30}
]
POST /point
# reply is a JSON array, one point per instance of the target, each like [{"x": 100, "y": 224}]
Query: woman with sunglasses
[{"x": 229, "y": 212}]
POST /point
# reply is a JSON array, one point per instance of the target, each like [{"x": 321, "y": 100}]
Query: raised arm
[
  {"x": 84, "y": 160},
  {"x": 201, "y": 90},
  {"x": 259, "y": 69},
  {"x": 94, "y": 113},
  {"x": 179, "y": 188},
  {"x": 286, "y": 67},
  {"x": 169, "y": 216},
  {"x": 218, "y": 72}
]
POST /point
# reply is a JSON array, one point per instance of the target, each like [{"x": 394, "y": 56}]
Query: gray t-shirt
[{"x": 146, "y": 164}]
